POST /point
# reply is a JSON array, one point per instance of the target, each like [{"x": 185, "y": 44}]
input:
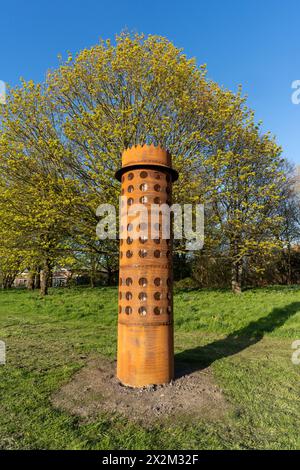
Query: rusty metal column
[{"x": 145, "y": 320}]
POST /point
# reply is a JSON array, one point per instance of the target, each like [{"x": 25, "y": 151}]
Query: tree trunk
[
  {"x": 92, "y": 273},
  {"x": 92, "y": 279},
  {"x": 50, "y": 278},
  {"x": 8, "y": 281},
  {"x": 236, "y": 277},
  {"x": 289, "y": 269},
  {"x": 236, "y": 267},
  {"x": 30, "y": 280},
  {"x": 45, "y": 276}
]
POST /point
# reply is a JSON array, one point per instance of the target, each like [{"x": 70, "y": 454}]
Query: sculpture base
[{"x": 145, "y": 354}]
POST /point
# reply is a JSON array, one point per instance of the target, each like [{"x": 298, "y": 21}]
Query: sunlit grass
[{"x": 245, "y": 339}]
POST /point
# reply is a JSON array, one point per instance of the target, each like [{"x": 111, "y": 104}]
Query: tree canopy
[{"x": 61, "y": 141}]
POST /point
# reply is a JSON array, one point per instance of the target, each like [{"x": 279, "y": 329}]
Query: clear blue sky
[{"x": 249, "y": 42}]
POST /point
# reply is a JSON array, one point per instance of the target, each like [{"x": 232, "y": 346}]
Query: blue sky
[{"x": 249, "y": 42}]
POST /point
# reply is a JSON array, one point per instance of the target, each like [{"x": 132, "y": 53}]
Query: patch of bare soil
[{"x": 95, "y": 389}]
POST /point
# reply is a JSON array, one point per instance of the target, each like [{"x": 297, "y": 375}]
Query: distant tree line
[{"x": 61, "y": 141}]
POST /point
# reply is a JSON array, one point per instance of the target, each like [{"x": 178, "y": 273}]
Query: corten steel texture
[{"x": 145, "y": 319}]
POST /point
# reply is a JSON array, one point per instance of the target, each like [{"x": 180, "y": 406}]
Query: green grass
[{"x": 245, "y": 339}]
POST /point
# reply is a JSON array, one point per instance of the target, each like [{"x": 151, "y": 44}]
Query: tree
[
  {"x": 140, "y": 90},
  {"x": 289, "y": 211},
  {"x": 61, "y": 144},
  {"x": 241, "y": 174},
  {"x": 10, "y": 265},
  {"x": 37, "y": 193}
]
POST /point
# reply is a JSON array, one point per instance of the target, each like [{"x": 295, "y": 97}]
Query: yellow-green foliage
[{"x": 61, "y": 143}]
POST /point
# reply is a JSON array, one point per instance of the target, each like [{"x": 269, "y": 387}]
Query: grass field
[{"x": 245, "y": 340}]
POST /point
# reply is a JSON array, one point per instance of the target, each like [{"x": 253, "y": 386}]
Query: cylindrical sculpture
[{"x": 145, "y": 320}]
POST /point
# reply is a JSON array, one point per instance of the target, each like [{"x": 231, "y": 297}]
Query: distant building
[
  {"x": 60, "y": 278},
  {"x": 21, "y": 279}
]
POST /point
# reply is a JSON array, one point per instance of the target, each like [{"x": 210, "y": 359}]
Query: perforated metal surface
[{"x": 145, "y": 326}]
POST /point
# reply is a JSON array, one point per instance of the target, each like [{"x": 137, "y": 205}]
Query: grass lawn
[{"x": 245, "y": 340}]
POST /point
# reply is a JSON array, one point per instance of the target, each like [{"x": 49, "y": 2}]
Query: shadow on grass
[{"x": 198, "y": 358}]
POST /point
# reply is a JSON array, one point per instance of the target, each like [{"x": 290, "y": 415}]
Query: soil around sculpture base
[{"x": 95, "y": 389}]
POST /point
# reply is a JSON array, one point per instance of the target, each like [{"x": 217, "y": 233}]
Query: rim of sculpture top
[{"x": 146, "y": 156}]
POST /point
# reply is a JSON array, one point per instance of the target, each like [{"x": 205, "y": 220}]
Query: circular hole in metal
[
  {"x": 169, "y": 297},
  {"x": 143, "y": 174},
  {"x": 168, "y": 254},
  {"x": 128, "y": 295},
  {"x": 143, "y": 282},
  {"x": 128, "y": 310},
  {"x": 157, "y": 295},
  {"x": 143, "y": 239},
  {"x": 143, "y": 311},
  {"x": 157, "y": 281},
  {"x": 143, "y": 226},
  {"x": 156, "y": 175},
  {"x": 143, "y": 199},
  {"x": 120, "y": 309},
  {"x": 157, "y": 187},
  {"x": 120, "y": 281},
  {"x": 122, "y": 191},
  {"x": 129, "y": 227},
  {"x": 157, "y": 200},
  {"x": 128, "y": 281},
  {"x": 157, "y": 253},
  {"x": 143, "y": 253},
  {"x": 130, "y": 189},
  {"x": 143, "y": 187},
  {"x": 129, "y": 253},
  {"x": 157, "y": 241},
  {"x": 129, "y": 240},
  {"x": 130, "y": 201},
  {"x": 130, "y": 176},
  {"x": 143, "y": 296},
  {"x": 157, "y": 310}
]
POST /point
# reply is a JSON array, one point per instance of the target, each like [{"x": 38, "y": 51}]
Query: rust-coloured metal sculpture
[{"x": 145, "y": 320}]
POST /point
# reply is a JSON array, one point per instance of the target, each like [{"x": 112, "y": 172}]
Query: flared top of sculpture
[{"x": 146, "y": 156}]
